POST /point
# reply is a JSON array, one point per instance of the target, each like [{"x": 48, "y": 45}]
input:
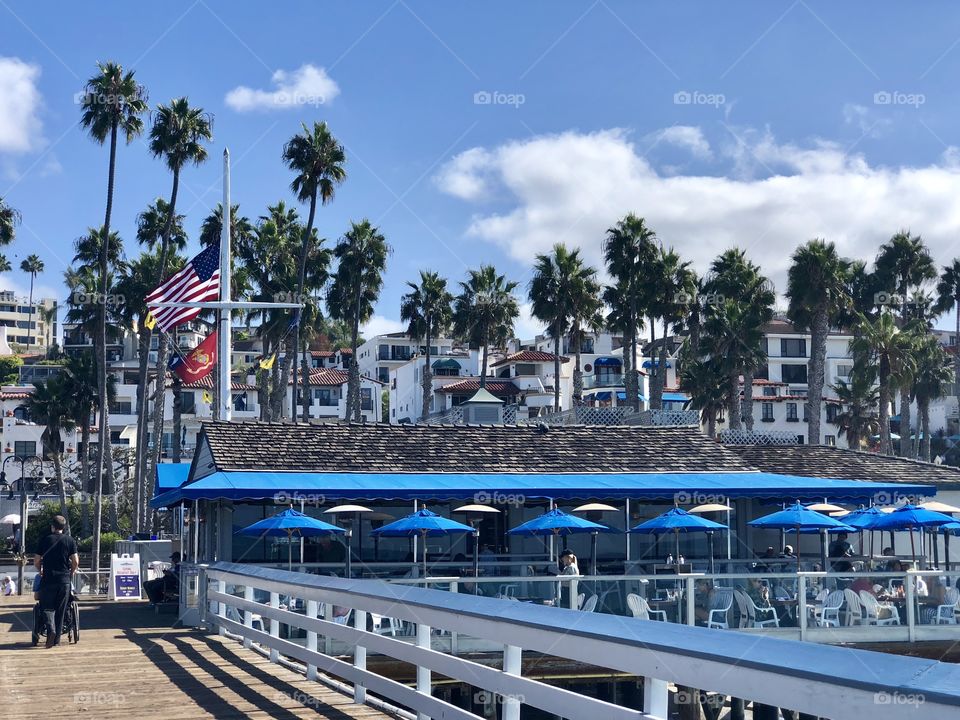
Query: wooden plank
[{"x": 129, "y": 661}]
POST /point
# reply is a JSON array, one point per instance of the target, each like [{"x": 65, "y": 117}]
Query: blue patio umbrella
[
  {"x": 677, "y": 521},
  {"x": 798, "y": 518},
  {"x": 558, "y": 523},
  {"x": 911, "y": 517},
  {"x": 422, "y": 524},
  {"x": 288, "y": 524}
]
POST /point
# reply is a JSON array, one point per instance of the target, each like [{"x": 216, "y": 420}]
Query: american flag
[{"x": 198, "y": 281}]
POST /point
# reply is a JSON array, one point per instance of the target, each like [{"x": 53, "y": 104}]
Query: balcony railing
[{"x": 602, "y": 381}]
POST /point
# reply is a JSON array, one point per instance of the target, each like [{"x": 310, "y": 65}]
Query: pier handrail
[{"x": 820, "y": 680}]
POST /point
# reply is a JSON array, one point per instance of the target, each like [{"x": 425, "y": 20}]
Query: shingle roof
[
  {"x": 463, "y": 449},
  {"x": 824, "y": 461},
  {"x": 529, "y": 356},
  {"x": 502, "y": 388}
]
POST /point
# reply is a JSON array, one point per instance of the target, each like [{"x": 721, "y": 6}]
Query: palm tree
[
  {"x": 948, "y": 298},
  {"x": 620, "y": 317},
  {"x": 932, "y": 378},
  {"x": 676, "y": 287},
  {"x": 708, "y": 387},
  {"x": 9, "y": 219},
  {"x": 484, "y": 312},
  {"x": 428, "y": 311},
  {"x": 630, "y": 252},
  {"x": 816, "y": 290},
  {"x": 362, "y": 258},
  {"x": 734, "y": 278},
  {"x": 858, "y": 399},
  {"x": 904, "y": 264},
  {"x": 79, "y": 378},
  {"x": 888, "y": 350},
  {"x": 177, "y": 136},
  {"x": 51, "y": 405},
  {"x": 112, "y": 103},
  {"x": 317, "y": 159},
  {"x": 311, "y": 314},
  {"x": 33, "y": 266},
  {"x": 5, "y": 265},
  {"x": 586, "y": 316}
]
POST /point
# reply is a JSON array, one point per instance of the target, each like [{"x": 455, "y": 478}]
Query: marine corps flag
[{"x": 199, "y": 363}]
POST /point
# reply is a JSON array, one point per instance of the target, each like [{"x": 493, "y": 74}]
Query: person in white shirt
[{"x": 9, "y": 586}]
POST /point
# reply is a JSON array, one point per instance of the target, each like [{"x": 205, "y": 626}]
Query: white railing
[{"x": 822, "y": 681}]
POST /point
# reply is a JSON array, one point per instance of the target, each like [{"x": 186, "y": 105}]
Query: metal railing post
[
  {"x": 360, "y": 656},
  {"x": 327, "y": 640},
  {"x": 655, "y": 696},
  {"x": 311, "y": 639},
  {"x": 423, "y": 673},
  {"x": 691, "y": 605},
  {"x": 248, "y": 614},
  {"x": 512, "y": 665},
  {"x": 454, "y": 637},
  {"x": 274, "y": 626},
  {"x": 802, "y": 606},
  {"x": 909, "y": 593},
  {"x": 574, "y": 592}
]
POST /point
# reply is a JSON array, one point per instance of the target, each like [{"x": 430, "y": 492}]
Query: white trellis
[{"x": 757, "y": 437}]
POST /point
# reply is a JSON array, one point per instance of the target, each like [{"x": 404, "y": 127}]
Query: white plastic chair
[
  {"x": 719, "y": 607},
  {"x": 874, "y": 609},
  {"x": 590, "y": 605},
  {"x": 830, "y": 612},
  {"x": 641, "y": 609},
  {"x": 386, "y": 625},
  {"x": 853, "y": 611},
  {"x": 756, "y": 613},
  {"x": 946, "y": 613},
  {"x": 581, "y": 597},
  {"x": 507, "y": 591}
]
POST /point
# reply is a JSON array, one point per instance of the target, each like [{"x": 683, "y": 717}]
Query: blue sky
[{"x": 758, "y": 123}]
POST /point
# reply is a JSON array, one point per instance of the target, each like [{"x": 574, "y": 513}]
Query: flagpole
[{"x": 226, "y": 396}]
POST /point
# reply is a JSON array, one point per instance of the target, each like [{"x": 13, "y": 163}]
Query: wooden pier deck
[{"x": 131, "y": 663}]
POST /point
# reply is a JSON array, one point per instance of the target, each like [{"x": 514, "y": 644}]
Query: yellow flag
[
  {"x": 207, "y": 397},
  {"x": 149, "y": 321},
  {"x": 267, "y": 363}
]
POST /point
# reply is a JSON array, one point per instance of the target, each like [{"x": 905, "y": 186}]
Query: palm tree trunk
[
  {"x": 104, "y": 429},
  {"x": 85, "y": 475},
  {"x": 58, "y": 474},
  {"x": 353, "y": 380},
  {"x": 924, "y": 410},
  {"x": 656, "y": 397},
  {"x": 281, "y": 378},
  {"x": 301, "y": 281},
  {"x": 884, "y": 378},
  {"x": 956, "y": 357},
  {"x": 143, "y": 351},
  {"x": 263, "y": 385},
  {"x": 32, "y": 321},
  {"x": 819, "y": 328},
  {"x": 747, "y": 404},
  {"x": 712, "y": 424},
  {"x": 635, "y": 396},
  {"x": 733, "y": 404},
  {"x": 483, "y": 363},
  {"x": 556, "y": 368},
  {"x": 305, "y": 378},
  {"x": 906, "y": 434},
  {"x": 427, "y": 378},
  {"x": 627, "y": 368}
]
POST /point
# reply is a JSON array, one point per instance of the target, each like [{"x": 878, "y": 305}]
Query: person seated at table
[
  {"x": 569, "y": 562},
  {"x": 762, "y": 566},
  {"x": 167, "y": 585},
  {"x": 840, "y": 548},
  {"x": 788, "y": 553},
  {"x": 758, "y": 592},
  {"x": 702, "y": 600},
  {"x": 937, "y": 597},
  {"x": 863, "y": 583}
]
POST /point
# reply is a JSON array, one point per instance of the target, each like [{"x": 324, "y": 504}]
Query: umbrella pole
[
  {"x": 913, "y": 549},
  {"x": 593, "y": 554},
  {"x": 710, "y": 538},
  {"x": 936, "y": 550},
  {"x": 946, "y": 555},
  {"x": 476, "y": 562},
  {"x": 676, "y": 558},
  {"x": 798, "y": 549},
  {"x": 289, "y": 550}
]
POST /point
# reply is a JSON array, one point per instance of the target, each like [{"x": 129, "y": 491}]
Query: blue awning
[
  {"x": 675, "y": 397},
  {"x": 170, "y": 475},
  {"x": 654, "y": 363},
  {"x": 603, "y": 395},
  {"x": 265, "y": 485},
  {"x": 606, "y": 361}
]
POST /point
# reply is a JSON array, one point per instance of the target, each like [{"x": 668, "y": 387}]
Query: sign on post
[{"x": 124, "y": 577}]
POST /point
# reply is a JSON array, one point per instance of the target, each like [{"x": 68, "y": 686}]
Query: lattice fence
[
  {"x": 669, "y": 418},
  {"x": 757, "y": 437}
]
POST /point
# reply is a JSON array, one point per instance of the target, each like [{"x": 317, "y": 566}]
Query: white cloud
[
  {"x": 307, "y": 85},
  {"x": 572, "y": 186},
  {"x": 686, "y": 137},
  {"x": 20, "y": 127},
  {"x": 865, "y": 118},
  {"x": 527, "y": 327},
  {"x": 381, "y": 325}
]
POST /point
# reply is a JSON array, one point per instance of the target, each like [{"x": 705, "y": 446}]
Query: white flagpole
[{"x": 226, "y": 396}]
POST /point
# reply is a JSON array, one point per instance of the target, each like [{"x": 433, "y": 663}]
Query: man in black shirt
[{"x": 57, "y": 560}]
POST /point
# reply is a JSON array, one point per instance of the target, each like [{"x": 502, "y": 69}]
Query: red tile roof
[
  {"x": 502, "y": 388},
  {"x": 207, "y": 384},
  {"x": 529, "y": 356},
  {"x": 16, "y": 394},
  {"x": 328, "y": 376},
  {"x": 321, "y": 353}
]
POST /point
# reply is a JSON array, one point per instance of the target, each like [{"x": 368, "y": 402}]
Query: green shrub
[{"x": 108, "y": 543}]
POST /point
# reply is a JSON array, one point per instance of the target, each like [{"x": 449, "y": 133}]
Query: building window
[
  {"x": 383, "y": 374},
  {"x": 792, "y": 412},
  {"x": 832, "y": 411},
  {"x": 366, "y": 399},
  {"x": 240, "y": 402},
  {"x": 762, "y": 373},
  {"x": 24, "y": 449},
  {"x": 767, "y": 409},
  {"x": 769, "y": 391},
  {"x": 526, "y": 369},
  {"x": 327, "y": 396},
  {"x": 793, "y": 347},
  {"x": 844, "y": 370},
  {"x": 383, "y": 352},
  {"x": 953, "y": 340},
  {"x": 121, "y": 408},
  {"x": 794, "y": 373},
  {"x": 830, "y": 440},
  {"x": 800, "y": 440},
  {"x": 188, "y": 403}
]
